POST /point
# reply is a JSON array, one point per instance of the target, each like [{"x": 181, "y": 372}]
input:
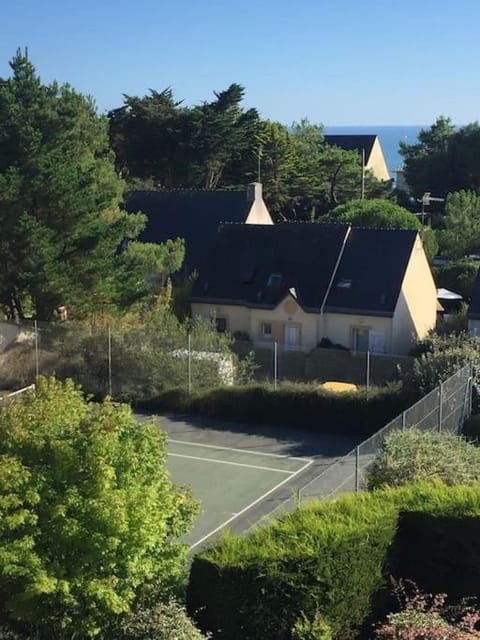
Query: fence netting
[{"x": 444, "y": 410}]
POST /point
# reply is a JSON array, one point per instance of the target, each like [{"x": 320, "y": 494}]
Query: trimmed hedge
[
  {"x": 303, "y": 405},
  {"x": 335, "y": 558}
]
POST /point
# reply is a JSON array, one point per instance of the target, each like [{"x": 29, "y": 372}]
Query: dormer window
[
  {"x": 344, "y": 283},
  {"x": 274, "y": 280}
]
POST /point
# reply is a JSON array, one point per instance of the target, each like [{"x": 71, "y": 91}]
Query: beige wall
[
  {"x": 237, "y": 317},
  {"x": 311, "y": 328},
  {"x": 416, "y": 310},
  {"x": 376, "y": 162},
  {"x": 287, "y": 313},
  {"x": 339, "y": 328}
]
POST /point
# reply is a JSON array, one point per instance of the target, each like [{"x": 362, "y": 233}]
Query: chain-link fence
[
  {"x": 127, "y": 362},
  {"x": 275, "y": 363},
  {"x": 443, "y": 409}
]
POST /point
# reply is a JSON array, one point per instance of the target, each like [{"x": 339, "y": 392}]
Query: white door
[{"x": 292, "y": 336}]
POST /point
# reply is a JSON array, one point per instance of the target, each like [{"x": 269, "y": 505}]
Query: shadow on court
[{"x": 243, "y": 472}]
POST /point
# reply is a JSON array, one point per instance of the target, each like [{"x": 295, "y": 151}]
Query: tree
[
  {"x": 382, "y": 214},
  {"x": 157, "y": 138},
  {"x": 458, "y": 276},
  {"x": 426, "y": 163},
  {"x": 445, "y": 159},
  {"x": 461, "y": 235},
  {"x": 59, "y": 198},
  {"x": 89, "y": 519}
]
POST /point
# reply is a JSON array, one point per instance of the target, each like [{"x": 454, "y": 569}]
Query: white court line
[
  {"x": 252, "y": 504},
  {"x": 253, "y": 453},
  {"x": 235, "y": 464}
]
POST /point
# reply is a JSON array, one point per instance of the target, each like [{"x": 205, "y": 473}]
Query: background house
[
  {"x": 195, "y": 215},
  {"x": 301, "y": 284},
  {"x": 370, "y": 144}
]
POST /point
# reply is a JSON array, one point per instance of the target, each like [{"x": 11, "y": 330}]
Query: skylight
[{"x": 274, "y": 280}]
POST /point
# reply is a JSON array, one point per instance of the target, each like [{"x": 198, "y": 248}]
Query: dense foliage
[
  {"x": 444, "y": 160},
  {"x": 59, "y": 206},
  {"x": 161, "y": 143},
  {"x": 89, "y": 519},
  {"x": 413, "y": 455},
  {"x": 162, "y": 622},
  {"x": 457, "y": 275},
  {"x": 382, "y": 214},
  {"x": 335, "y": 558},
  {"x": 428, "y": 616},
  {"x": 358, "y": 413},
  {"x": 437, "y": 357},
  {"x": 461, "y": 233}
]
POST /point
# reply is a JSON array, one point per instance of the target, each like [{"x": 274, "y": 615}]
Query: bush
[
  {"x": 89, "y": 519},
  {"x": 163, "y": 622},
  {"x": 414, "y": 455},
  {"x": 356, "y": 413},
  {"x": 316, "y": 629},
  {"x": 335, "y": 558},
  {"x": 428, "y": 616},
  {"x": 439, "y": 356}
]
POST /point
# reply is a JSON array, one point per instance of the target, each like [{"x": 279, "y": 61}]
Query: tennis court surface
[
  {"x": 241, "y": 473},
  {"x": 227, "y": 481}
]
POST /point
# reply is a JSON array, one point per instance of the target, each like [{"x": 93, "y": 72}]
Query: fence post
[
  {"x": 357, "y": 469},
  {"x": 109, "y": 361},
  {"x": 37, "y": 367},
  {"x": 275, "y": 364},
  {"x": 440, "y": 408},
  {"x": 189, "y": 363},
  {"x": 403, "y": 421},
  {"x": 367, "y": 372}
]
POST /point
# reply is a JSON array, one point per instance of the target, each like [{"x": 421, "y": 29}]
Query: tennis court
[{"x": 228, "y": 481}]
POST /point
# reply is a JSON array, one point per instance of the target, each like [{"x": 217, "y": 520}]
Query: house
[
  {"x": 299, "y": 284},
  {"x": 368, "y": 144},
  {"x": 474, "y": 309},
  {"x": 195, "y": 215}
]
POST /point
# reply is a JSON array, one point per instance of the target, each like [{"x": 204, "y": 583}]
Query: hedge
[
  {"x": 302, "y": 405},
  {"x": 335, "y": 558}
]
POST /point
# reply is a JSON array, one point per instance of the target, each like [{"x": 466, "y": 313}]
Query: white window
[
  {"x": 364, "y": 339},
  {"x": 360, "y": 339},
  {"x": 267, "y": 329}
]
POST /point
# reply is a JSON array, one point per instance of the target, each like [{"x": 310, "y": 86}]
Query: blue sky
[{"x": 337, "y": 62}]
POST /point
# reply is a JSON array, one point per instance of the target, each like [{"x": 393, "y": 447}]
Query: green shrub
[
  {"x": 414, "y": 455},
  {"x": 335, "y": 558},
  {"x": 316, "y": 629},
  {"x": 359, "y": 413},
  {"x": 439, "y": 356},
  {"x": 89, "y": 518},
  {"x": 163, "y": 622}
]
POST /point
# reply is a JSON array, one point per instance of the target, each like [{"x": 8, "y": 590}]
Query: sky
[{"x": 336, "y": 62}]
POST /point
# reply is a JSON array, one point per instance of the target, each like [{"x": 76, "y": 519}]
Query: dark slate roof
[
  {"x": 368, "y": 278},
  {"x": 474, "y": 306},
  {"x": 352, "y": 142},
  {"x": 189, "y": 214}
]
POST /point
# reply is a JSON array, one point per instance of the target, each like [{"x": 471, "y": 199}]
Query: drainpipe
[{"x": 332, "y": 278}]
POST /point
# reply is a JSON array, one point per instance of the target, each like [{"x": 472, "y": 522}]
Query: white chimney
[{"x": 254, "y": 192}]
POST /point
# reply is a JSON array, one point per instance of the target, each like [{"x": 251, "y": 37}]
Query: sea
[{"x": 389, "y": 136}]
